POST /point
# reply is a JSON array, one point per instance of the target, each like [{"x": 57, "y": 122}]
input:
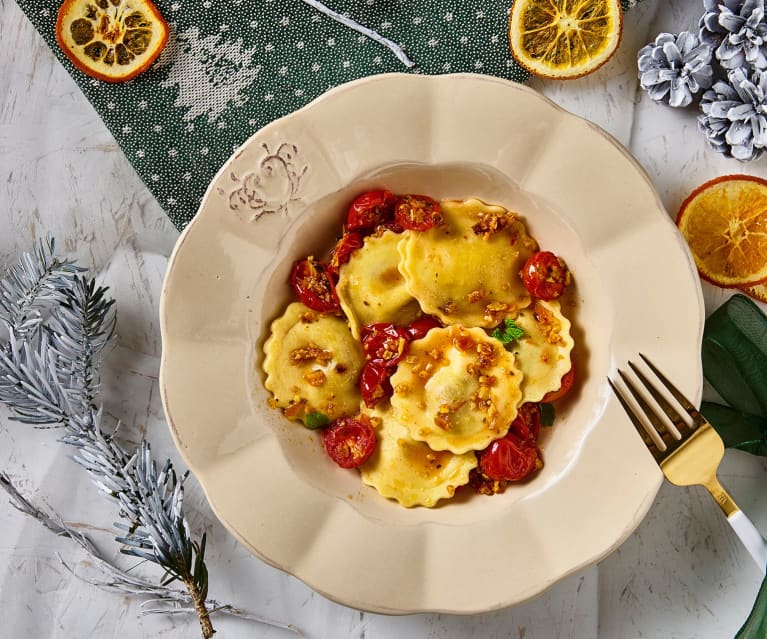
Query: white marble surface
[{"x": 682, "y": 574}]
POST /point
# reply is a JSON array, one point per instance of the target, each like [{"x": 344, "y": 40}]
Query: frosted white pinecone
[
  {"x": 738, "y": 31},
  {"x": 734, "y": 118},
  {"x": 674, "y": 68}
]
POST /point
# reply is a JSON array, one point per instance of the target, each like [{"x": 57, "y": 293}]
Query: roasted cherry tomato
[
  {"x": 567, "y": 383},
  {"x": 527, "y": 423},
  {"x": 545, "y": 275},
  {"x": 313, "y": 286},
  {"x": 384, "y": 344},
  {"x": 417, "y": 212},
  {"x": 349, "y": 441},
  {"x": 343, "y": 250},
  {"x": 374, "y": 383},
  {"x": 369, "y": 210},
  {"x": 509, "y": 458},
  {"x": 419, "y": 327}
]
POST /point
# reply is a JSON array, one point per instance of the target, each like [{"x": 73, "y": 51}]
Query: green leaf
[
  {"x": 316, "y": 420},
  {"x": 755, "y": 626},
  {"x": 734, "y": 354},
  {"x": 547, "y": 414},
  {"x": 508, "y": 331},
  {"x": 736, "y": 428}
]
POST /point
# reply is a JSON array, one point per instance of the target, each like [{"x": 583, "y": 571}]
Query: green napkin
[{"x": 232, "y": 66}]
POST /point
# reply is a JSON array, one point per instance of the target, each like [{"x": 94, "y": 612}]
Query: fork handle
[{"x": 750, "y": 536}]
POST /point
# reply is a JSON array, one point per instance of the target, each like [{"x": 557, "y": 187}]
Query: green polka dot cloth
[{"x": 232, "y": 66}]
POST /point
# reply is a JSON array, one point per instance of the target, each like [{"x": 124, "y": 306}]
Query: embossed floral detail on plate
[{"x": 271, "y": 187}]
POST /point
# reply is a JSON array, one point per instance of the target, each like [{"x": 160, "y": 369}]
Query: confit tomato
[
  {"x": 545, "y": 275},
  {"x": 370, "y": 209},
  {"x": 384, "y": 344},
  {"x": 374, "y": 383},
  {"x": 527, "y": 423},
  {"x": 313, "y": 286},
  {"x": 343, "y": 250},
  {"x": 568, "y": 379},
  {"x": 422, "y": 325},
  {"x": 509, "y": 458},
  {"x": 349, "y": 441},
  {"x": 417, "y": 212}
]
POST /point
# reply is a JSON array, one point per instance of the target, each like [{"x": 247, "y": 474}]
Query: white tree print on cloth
[
  {"x": 211, "y": 74},
  {"x": 271, "y": 188}
]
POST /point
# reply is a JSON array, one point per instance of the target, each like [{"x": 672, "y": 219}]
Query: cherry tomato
[
  {"x": 509, "y": 458},
  {"x": 545, "y": 275},
  {"x": 567, "y": 383},
  {"x": 343, "y": 250},
  {"x": 384, "y": 344},
  {"x": 417, "y": 212},
  {"x": 349, "y": 441},
  {"x": 527, "y": 423},
  {"x": 374, "y": 383},
  {"x": 422, "y": 325},
  {"x": 313, "y": 286},
  {"x": 369, "y": 210}
]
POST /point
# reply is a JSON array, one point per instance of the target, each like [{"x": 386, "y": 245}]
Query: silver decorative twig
[{"x": 396, "y": 49}]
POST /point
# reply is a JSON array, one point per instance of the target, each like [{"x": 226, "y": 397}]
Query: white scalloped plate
[{"x": 282, "y": 196}]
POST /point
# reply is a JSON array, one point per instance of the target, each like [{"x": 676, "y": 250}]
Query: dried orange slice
[
  {"x": 758, "y": 292},
  {"x": 112, "y": 40},
  {"x": 564, "y": 39},
  {"x": 725, "y": 224}
]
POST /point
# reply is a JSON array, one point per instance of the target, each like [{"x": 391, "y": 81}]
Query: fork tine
[
  {"x": 660, "y": 428},
  {"x": 693, "y": 412},
  {"x": 671, "y": 412},
  {"x": 651, "y": 446}
]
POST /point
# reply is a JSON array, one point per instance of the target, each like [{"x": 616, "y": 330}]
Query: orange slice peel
[
  {"x": 758, "y": 292},
  {"x": 564, "y": 39},
  {"x": 724, "y": 222},
  {"x": 112, "y": 40}
]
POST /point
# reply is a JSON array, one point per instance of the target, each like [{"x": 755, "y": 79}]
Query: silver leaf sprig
[
  {"x": 167, "y": 600},
  {"x": 59, "y": 324}
]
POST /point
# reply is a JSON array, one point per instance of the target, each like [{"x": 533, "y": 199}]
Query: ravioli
[
  {"x": 458, "y": 389},
  {"x": 543, "y": 354},
  {"x": 371, "y": 288},
  {"x": 312, "y": 363},
  {"x": 409, "y": 471},
  {"x": 466, "y": 271}
]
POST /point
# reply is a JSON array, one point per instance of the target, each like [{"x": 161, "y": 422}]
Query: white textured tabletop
[{"x": 682, "y": 574}]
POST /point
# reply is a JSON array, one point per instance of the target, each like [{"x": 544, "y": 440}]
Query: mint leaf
[
  {"x": 313, "y": 421},
  {"x": 547, "y": 414},
  {"x": 508, "y": 331}
]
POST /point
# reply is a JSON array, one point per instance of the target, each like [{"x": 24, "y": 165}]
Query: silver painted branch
[
  {"x": 171, "y": 600},
  {"x": 396, "y": 49}
]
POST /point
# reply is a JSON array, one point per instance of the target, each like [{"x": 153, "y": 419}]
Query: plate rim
[{"x": 163, "y": 380}]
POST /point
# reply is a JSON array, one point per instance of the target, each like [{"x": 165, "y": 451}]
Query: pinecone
[
  {"x": 738, "y": 31},
  {"x": 674, "y": 68},
  {"x": 734, "y": 118}
]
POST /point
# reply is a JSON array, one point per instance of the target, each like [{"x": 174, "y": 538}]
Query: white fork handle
[{"x": 751, "y": 538}]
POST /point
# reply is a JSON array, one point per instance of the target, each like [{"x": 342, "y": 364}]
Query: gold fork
[{"x": 692, "y": 459}]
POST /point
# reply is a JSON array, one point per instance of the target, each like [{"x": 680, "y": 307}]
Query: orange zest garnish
[
  {"x": 725, "y": 224},
  {"x": 112, "y": 40},
  {"x": 564, "y": 39}
]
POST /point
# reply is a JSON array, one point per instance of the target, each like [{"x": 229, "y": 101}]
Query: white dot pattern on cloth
[{"x": 232, "y": 67}]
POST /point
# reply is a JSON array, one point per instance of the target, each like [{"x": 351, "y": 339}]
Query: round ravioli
[
  {"x": 409, "y": 471},
  {"x": 458, "y": 389},
  {"x": 466, "y": 271},
  {"x": 371, "y": 288},
  {"x": 312, "y": 363},
  {"x": 543, "y": 353}
]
